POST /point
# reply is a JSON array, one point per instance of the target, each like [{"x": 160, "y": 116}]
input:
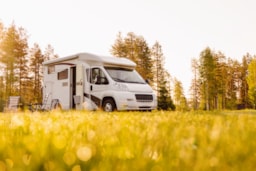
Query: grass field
[{"x": 128, "y": 141}]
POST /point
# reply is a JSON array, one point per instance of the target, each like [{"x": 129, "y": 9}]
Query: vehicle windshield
[{"x": 125, "y": 75}]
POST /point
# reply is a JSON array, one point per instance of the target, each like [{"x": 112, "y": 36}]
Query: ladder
[{"x": 44, "y": 104}]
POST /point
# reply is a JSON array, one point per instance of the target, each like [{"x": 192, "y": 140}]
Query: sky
[{"x": 184, "y": 28}]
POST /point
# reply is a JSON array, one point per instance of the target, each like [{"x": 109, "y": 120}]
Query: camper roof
[{"x": 93, "y": 59}]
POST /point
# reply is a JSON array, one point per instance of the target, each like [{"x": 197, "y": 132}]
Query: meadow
[{"x": 128, "y": 141}]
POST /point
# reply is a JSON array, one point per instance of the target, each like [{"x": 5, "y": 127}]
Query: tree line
[
  {"x": 223, "y": 83},
  {"x": 21, "y": 66},
  {"x": 150, "y": 65},
  {"x": 218, "y": 82}
]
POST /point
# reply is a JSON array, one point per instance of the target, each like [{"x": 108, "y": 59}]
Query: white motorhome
[{"x": 88, "y": 81}]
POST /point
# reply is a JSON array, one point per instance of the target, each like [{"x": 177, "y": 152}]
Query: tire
[{"x": 109, "y": 105}]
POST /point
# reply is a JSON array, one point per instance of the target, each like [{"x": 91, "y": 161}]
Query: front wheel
[{"x": 109, "y": 105}]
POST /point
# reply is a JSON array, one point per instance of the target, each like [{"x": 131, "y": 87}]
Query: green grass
[{"x": 128, "y": 141}]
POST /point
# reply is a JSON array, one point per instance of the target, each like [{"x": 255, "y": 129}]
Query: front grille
[{"x": 144, "y": 97}]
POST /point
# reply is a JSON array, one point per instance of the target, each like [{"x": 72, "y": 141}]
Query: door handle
[{"x": 91, "y": 87}]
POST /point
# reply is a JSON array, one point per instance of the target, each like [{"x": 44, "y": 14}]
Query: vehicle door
[
  {"x": 78, "y": 86},
  {"x": 98, "y": 85},
  {"x": 62, "y": 88}
]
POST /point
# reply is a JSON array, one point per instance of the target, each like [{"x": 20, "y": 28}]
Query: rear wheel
[{"x": 109, "y": 105}]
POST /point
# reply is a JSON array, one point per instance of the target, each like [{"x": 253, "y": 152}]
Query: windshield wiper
[
  {"x": 125, "y": 81},
  {"x": 118, "y": 80},
  {"x": 136, "y": 82}
]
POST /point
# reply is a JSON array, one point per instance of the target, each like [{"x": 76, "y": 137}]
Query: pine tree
[
  {"x": 220, "y": 81},
  {"x": 158, "y": 66},
  {"x": 206, "y": 71},
  {"x": 14, "y": 61},
  {"x": 8, "y": 59},
  {"x": 220, "y": 75},
  {"x": 231, "y": 86},
  {"x": 135, "y": 48},
  {"x": 119, "y": 48},
  {"x": 245, "y": 101},
  {"x": 22, "y": 61},
  {"x": 150, "y": 64},
  {"x": 164, "y": 99},
  {"x": 14, "y": 47},
  {"x": 195, "y": 86},
  {"x": 49, "y": 53},
  {"x": 2, "y": 92},
  {"x": 161, "y": 79},
  {"x": 179, "y": 98},
  {"x": 144, "y": 59},
  {"x": 251, "y": 79},
  {"x": 37, "y": 59}
]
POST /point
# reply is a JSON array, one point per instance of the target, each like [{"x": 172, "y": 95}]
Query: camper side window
[
  {"x": 51, "y": 69},
  {"x": 63, "y": 74},
  {"x": 98, "y": 76}
]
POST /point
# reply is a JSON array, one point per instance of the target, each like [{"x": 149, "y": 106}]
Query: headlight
[{"x": 121, "y": 87}]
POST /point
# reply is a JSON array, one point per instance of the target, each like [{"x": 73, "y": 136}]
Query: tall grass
[{"x": 125, "y": 141}]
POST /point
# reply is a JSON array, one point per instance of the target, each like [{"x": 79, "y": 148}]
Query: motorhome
[{"x": 91, "y": 82}]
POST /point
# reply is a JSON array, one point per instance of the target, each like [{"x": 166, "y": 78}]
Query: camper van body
[{"x": 88, "y": 81}]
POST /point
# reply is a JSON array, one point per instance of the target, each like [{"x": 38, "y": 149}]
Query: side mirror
[{"x": 104, "y": 80}]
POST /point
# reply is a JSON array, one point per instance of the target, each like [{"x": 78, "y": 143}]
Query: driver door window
[{"x": 98, "y": 76}]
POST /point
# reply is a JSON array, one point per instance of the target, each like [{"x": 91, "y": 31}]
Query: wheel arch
[{"x": 106, "y": 98}]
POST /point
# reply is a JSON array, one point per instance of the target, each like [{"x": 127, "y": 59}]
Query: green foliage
[
  {"x": 245, "y": 102},
  {"x": 158, "y": 67},
  {"x": 20, "y": 66},
  {"x": 36, "y": 69},
  {"x": 207, "y": 78},
  {"x": 9, "y": 49},
  {"x": 161, "y": 79},
  {"x": 251, "y": 79},
  {"x": 195, "y": 85},
  {"x": 150, "y": 64},
  {"x": 221, "y": 83},
  {"x": 14, "y": 61},
  {"x": 135, "y": 48},
  {"x": 179, "y": 97},
  {"x": 164, "y": 99},
  {"x": 125, "y": 141}
]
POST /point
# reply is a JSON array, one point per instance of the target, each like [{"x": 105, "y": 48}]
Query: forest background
[{"x": 218, "y": 82}]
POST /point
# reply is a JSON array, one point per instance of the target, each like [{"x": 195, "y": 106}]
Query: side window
[
  {"x": 63, "y": 74},
  {"x": 88, "y": 75},
  {"x": 98, "y": 76},
  {"x": 51, "y": 69}
]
